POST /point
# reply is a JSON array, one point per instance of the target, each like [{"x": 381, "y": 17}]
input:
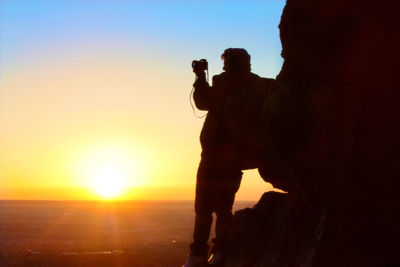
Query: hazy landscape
[{"x": 90, "y": 233}]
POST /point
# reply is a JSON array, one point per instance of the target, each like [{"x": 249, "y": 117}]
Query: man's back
[{"x": 234, "y": 105}]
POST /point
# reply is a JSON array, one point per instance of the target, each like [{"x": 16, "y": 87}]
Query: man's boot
[
  {"x": 195, "y": 261},
  {"x": 217, "y": 260}
]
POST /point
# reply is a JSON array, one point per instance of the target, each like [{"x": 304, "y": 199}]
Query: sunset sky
[{"x": 99, "y": 90}]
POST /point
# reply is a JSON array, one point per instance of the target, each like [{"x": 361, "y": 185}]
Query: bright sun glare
[
  {"x": 108, "y": 181},
  {"x": 111, "y": 171}
]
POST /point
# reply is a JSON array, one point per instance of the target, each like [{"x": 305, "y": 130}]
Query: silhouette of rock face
[{"x": 332, "y": 139}]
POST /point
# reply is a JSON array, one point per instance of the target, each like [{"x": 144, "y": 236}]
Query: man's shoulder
[
  {"x": 262, "y": 81},
  {"x": 220, "y": 80},
  {"x": 220, "y": 76},
  {"x": 261, "y": 87},
  {"x": 223, "y": 78}
]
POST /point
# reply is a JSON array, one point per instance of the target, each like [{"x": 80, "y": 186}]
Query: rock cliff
[{"x": 331, "y": 140}]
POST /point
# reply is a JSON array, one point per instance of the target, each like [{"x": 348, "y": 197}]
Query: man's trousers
[{"x": 218, "y": 180}]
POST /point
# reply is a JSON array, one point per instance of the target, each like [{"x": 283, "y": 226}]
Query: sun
[
  {"x": 111, "y": 172},
  {"x": 108, "y": 181}
]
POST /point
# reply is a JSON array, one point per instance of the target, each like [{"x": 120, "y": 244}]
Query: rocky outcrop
[
  {"x": 275, "y": 232},
  {"x": 331, "y": 139}
]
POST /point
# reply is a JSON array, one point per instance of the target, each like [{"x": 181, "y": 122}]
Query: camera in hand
[{"x": 199, "y": 65}]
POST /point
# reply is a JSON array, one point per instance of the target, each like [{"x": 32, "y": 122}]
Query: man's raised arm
[{"x": 202, "y": 94}]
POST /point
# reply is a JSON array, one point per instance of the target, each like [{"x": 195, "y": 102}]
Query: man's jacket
[{"x": 234, "y": 104}]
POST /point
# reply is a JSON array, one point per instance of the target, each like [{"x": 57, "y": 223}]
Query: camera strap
[{"x": 191, "y": 101}]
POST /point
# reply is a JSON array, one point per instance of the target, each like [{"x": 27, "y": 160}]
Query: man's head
[{"x": 236, "y": 60}]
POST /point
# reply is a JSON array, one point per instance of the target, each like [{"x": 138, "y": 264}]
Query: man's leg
[
  {"x": 203, "y": 208},
  {"x": 224, "y": 203},
  {"x": 202, "y": 227}
]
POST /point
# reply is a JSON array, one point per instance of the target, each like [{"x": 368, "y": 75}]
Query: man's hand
[{"x": 200, "y": 74}]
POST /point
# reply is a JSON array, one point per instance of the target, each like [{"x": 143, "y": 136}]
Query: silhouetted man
[{"x": 233, "y": 103}]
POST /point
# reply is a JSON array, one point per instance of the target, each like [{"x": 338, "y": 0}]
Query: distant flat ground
[{"x": 90, "y": 233}]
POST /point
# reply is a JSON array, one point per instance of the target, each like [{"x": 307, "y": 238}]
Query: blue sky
[{"x": 167, "y": 29}]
